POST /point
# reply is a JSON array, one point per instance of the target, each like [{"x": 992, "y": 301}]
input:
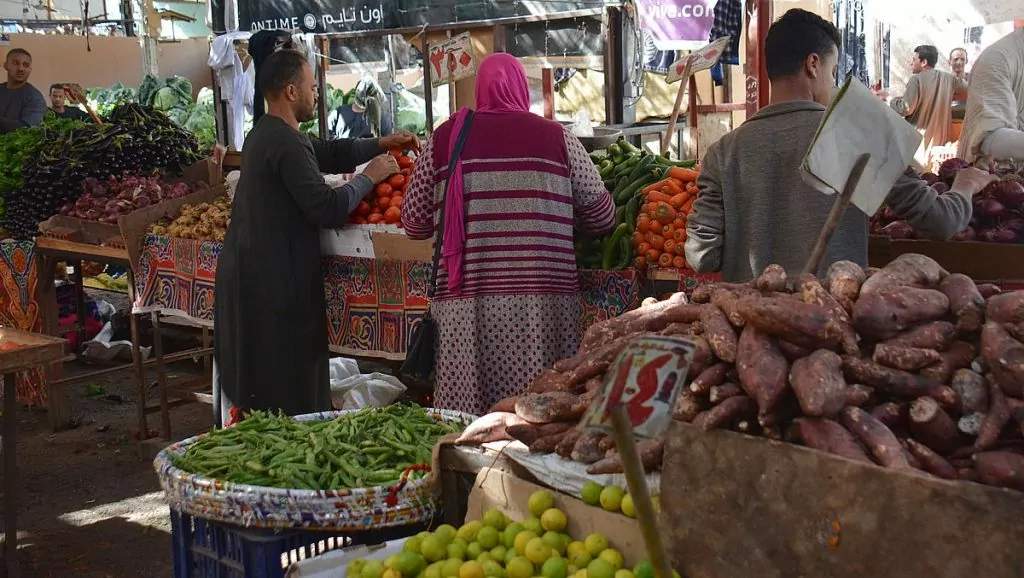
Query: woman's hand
[{"x": 403, "y": 140}]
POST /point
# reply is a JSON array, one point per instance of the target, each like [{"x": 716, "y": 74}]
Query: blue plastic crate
[{"x": 206, "y": 549}]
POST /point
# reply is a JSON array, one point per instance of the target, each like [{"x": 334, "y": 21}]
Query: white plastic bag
[
  {"x": 367, "y": 390},
  {"x": 581, "y": 125},
  {"x": 343, "y": 368},
  {"x": 232, "y": 181}
]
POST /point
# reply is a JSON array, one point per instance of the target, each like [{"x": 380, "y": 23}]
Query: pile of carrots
[
  {"x": 384, "y": 204},
  {"x": 661, "y": 223}
]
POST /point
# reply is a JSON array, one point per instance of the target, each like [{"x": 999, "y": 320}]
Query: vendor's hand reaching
[
  {"x": 403, "y": 140},
  {"x": 381, "y": 167},
  {"x": 971, "y": 180}
]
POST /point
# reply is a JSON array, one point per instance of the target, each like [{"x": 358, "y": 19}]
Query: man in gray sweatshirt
[
  {"x": 21, "y": 105},
  {"x": 754, "y": 209}
]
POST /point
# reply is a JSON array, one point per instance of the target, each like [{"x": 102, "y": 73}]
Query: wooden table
[{"x": 35, "y": 350}]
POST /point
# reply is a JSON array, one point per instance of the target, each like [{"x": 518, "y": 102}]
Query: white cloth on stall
[{"x": 236, "y": 83}]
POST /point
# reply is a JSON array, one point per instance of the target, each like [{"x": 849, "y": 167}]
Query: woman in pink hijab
[{"x": 507, "y": 303}]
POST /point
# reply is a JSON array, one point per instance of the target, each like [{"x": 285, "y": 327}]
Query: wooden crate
[{"x": 36, "y": 350}]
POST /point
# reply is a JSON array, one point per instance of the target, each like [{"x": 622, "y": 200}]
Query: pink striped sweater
[{"x": 528, "y": 183}]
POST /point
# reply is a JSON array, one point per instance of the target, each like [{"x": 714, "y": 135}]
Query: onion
[
  {"x": 998, "y": 235},
  {"x": 940, "y": 187},
  {"x": 988, "y": 207},
  {"x": 949, "y": 168},
  {"x": 899, "y": 230},
  {"x": 1009, "y": 193},
  {"x": 930, "y": 178},
  {"x": 967, "y": 234}
]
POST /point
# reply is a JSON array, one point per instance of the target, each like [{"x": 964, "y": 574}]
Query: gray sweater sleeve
[
  {"x": 705, "y": 227},
  {"x": 936, "y": 216}
]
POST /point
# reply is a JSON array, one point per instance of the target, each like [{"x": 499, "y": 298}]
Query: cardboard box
[
  {"x": 974, "y": 259},
  {"x": 398, "y": 247},
  {"x": 207, "y": 170}
]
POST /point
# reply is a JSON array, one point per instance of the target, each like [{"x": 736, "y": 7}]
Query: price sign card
[
  {"x": 646, "y": 378},
  {"x": 453, "y": 59}
]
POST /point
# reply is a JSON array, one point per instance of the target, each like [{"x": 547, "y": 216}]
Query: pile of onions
[{"x": 105, "y": 200}]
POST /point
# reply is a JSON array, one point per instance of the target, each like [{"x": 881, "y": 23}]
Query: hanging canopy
[{"x": 965, "y": 12}]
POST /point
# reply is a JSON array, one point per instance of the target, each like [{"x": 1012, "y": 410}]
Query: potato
[
  {"x": 818, "y": 383},
  {"x": 884, "y": 314},
  {"x": 762, "y": 369},
  {"x": 907, "y": 270},
  {"x": 905, "y": 358},
  {"x": 843, "y": 280}
]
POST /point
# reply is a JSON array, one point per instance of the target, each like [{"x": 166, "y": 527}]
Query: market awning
[{"x": 967, "y": 12}]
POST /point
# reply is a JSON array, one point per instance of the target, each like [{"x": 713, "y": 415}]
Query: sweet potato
[
  {"x": 818, "y": 383},
  {"x": 762, "y": 369},
  {"x": 930, "y": 461},
  {"x": 593, "y": 354},
  {"x": 650, "y": 451},
  {"x": 892, "y": 414},
  {"x": 932, "y": 426},
  {"x": 965, "y": 301},
  {"x": 490, "y": 428},
  {"x": 588, "y": 448},
  {"x": 507, "y": 405},
  {"x": 1004, "y": 356},
  {"x": 812, "y": 292},
  {"x": 967, "y": 475},
  {"x": 970, "y": 424},
  {"x": 878, "y": 439},
  {"x": 905, "y": 358},
  {"x": 773, "y": 278},
  {"x": 792, "y": 352},
  {"x": 907, "y": 270},
  {"x": 1000, "y": 469},
  {"x": 972, "y": 390},
  {"x": 843, "y": 280},
  {"x": 720, "y": 393},
  {"x": 828, "y": 436},
  {"x": 606, "y": 444},
  {"x": 727, "y": 301},
  {"x": 858, "y": 395},
  {"x": 529, "y": 433},
  {"x": 884, "y": 314},
  {"x": 1005, "y": 307},
  {"x": 546, "y": 444},
  {"x": 719, "y": 333},
  {"x": 910, "y": 457},
  {"x": 869, "y": 272},
  {"x": 647, "y": 302},
  {"x": 657, "y": 317},
  {"x": 996, "y": 418},
  {"x": 547, "y": 407},
  {"x": 723, "y": 414},
  {"x": 803, "y": 324},
  {"x": 687, "y": 406},
  {"x": 549, "y": 380},
  {"x": 897, "y": 383},
  {"x": 677, "y": 329},
  {"x": 1016, "y": 330},
  {"x": 988, "y": 290},
  {"x": 959, "y": 355},
  {"x": 702, "y": 356},
  {"x": 936, "y": 335},
  {"x": 564, "y": 447},
  {"x": 710, "y": 377}
]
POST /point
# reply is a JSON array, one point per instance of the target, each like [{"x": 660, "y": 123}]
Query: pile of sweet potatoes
[{"x": 905, "y": 367}]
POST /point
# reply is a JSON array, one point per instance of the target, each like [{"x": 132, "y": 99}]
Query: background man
[
  {"x": 928, "y": 101},
  {"x": 21, "y": 104},
  {"x": 59, "y": 100},
  {"x": 994, "y": 124},
  {"x": 958, "y": 62}
]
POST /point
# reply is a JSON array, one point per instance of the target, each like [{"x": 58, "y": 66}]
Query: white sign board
[
  {"x": 700, "y": 59},
  {"x": 452, "y": 60}
]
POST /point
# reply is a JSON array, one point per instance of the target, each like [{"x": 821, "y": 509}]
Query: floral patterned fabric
[{"x": 20, "y": 309}]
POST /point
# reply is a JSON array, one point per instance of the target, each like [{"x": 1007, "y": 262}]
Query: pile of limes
[
  {"x": 496, "y": 547},
  {"x": 612, "y": 498}
]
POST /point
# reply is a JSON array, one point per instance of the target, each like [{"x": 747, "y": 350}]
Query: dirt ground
[{"x": 90, "y": 505}]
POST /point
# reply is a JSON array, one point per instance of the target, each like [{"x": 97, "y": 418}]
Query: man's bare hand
[
  {"x": 971, "y": 180},
  {"x": 380, "y": 168},
  {"x": 403, "y": 140}
]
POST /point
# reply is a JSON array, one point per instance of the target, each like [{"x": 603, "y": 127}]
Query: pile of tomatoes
[{"x": 384, "y": 204}]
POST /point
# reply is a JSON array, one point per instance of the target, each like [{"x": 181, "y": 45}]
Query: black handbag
[{"x": 422, "y": 353}]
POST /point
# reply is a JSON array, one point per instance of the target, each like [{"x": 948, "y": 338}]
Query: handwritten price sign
[
  {"x": 453, "y": 59},
  {"x": 646, "y": 379}
]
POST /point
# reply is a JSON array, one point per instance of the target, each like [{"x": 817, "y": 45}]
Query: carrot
[
  {"x": 654, "y": 187},
  {"x": 670, "y": 246},
  {"x": 652, "y": 255},
  {"x": 640, "y": 262},
  {"x": 658, "y": 242},
  {"x": 664, "y": 213},
  {"x": 643, "y": 248},
  {"x": 638, "y": 238},
  {"x": 678, "y": 200},
  {"x": 643, "y": 224},
  {"x": 679, "y": 235},
  {"x": 679, "y": 262},
  {"x": 691, "y": 188},
  {"x": 684, "y": 175},
  {"x": 687, "y": 206},
  {"x": 665, "y": 260},
  {"x": 674, "y": 185},
  {"x": 658, "y": 197}
]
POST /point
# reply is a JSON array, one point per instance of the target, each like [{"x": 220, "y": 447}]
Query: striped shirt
[{"x": 528, "y": 183}]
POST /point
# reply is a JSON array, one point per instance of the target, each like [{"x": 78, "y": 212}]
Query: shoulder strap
[{"x": 456, "y": 152}]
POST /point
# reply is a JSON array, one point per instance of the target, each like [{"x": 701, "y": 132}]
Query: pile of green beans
[{"x": 370, "y": 447}]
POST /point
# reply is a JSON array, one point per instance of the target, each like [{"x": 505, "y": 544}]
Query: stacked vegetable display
[
  {"x": 384, "y": 204},
  {"x": 998, "y": 209},
  {"x": 366, "y": 448},
  {"x": 104, "y": 201},
  {"x": 626, "y": 172},
  {"x": 202, "y": 222},
  {"x": 135, "y": 140},
  {"x": 908, "y": 367},
  {"x": 660, "y": 236}
]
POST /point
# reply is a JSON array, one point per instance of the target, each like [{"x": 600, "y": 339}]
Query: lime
[
  {"x": 554, "y": 568},
  {"x": 643, "y": 569},
  {"x": 446, "y": 531},
  {"x": 539, "y": 501},
  {"x": 487, "y": 537},
  {"x": 372, "y": 569},
  {"x": 391, "y": 573},
  {"x": 410, "y": 564},
  {"x": 537, "y": 551},
  {"x": 553, "y": 520},
  {"x": 623, "y": 574},
  {"x": 509, "y": 536},
  {"x": 412, "y": 544},
  {"x": 591, "y": 493},
  {"x": 611, "y": 498},
  {"x": 509, "y": 556},
  {"x": 484, "y": 557},
  {"x": 599, "y": 569},
  {"x": 473, "y": 550},
  {"x": 434, "y": 548},
  {"x": 595, "y": 543},
  {"x": 493, "y": 570},
  {"x": 495, "y": 518},
  {"x": 468, "y": 531},
  {"x": 499, "y": 552},
  {"x": 355, "y": 567},
  {"x": 422, "y": 535},
  {"x": 457, "y": 551},
  {"x": 471, "y": 569},
  {"x": 519, "y": 567},
  {"x": 627, "y": 506},
  {"x": 578, "y": 555},
  {"x": 554, "y": 539},
  {"x": 450, "y": 568},
  {"x": 581, "y": 573},
  {"x": 613, "y": 557},
  {"x": 570, "y": 570},
  {"x": 522, "y": 539},
  {"x": 391, "y": 561},
  {"x": 533, "y": 525},
  {"x": 433, "y": 571}
]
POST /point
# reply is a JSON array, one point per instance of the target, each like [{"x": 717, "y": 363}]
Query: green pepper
[{"x": 611, "y": 247}]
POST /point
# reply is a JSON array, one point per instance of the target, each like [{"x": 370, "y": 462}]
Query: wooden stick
[
  {"x": 78, "y": 95},
  {"x": 684, "y": 81},
  {"x": 835, "y": 215},
  {"x": 622, "y": 429}
]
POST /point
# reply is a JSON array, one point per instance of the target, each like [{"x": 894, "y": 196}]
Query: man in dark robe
[{"x": 270, "y": 342}]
